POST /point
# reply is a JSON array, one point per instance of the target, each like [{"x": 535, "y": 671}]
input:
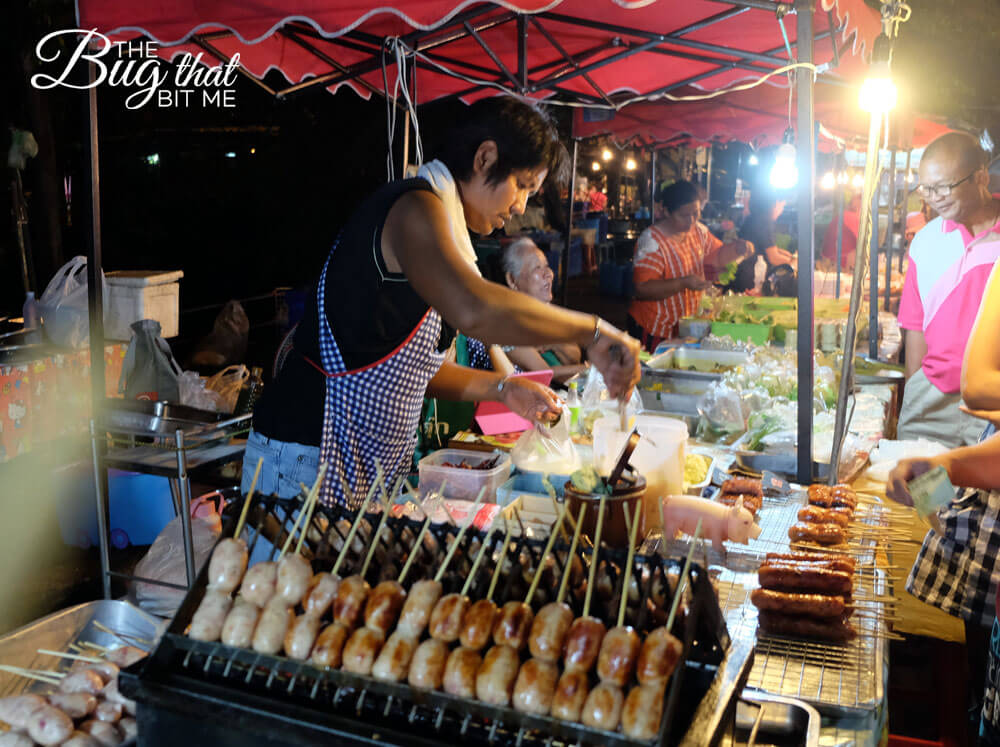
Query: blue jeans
[{"x": 285, "y": 466}]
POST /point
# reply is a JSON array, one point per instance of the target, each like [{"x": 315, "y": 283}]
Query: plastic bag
[
  {"x": 596, "y": 402},
  {"x": 547, "y": 448},
  {"x": 165, "y": 562},
  {"x": 194, "y": 392},
  {"x": 63, "y": 305},
  {"x": 227, "y": 384},
  {"x": 721, "y": 410},
  {"x": 149, "y": 370}
]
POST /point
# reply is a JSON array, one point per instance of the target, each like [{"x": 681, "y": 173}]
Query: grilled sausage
[
  {"x": 477, "y": 624},
  {"x": 361, "y": 650},
  {"x": 112, "y": 693},
  {"x": 817, "y": 515},
  {"x": 460, "y": 672},
  {"x": 125, "y": 656},
  {"x": 108, "y": 711},
  {"x": 831, "y": 629},
  {"x": 206, "y": 625},
  {"x": 16, "y": 710},
  {"x": 582, "y": 645},
  {"x": 418, "y": 606},
  {"x": 570, "y": 695},
  {"x": 240, "y": 623},
  {"x": 330, "y": 646},
  {"x": 275, "y": 619},
  {"x": 128, "y": 727},
  {"x": 617, "y": 657},
  {"x": 350, "y": 601},
  {"x": 106, "y": 670},
  {"x": 743, "y": 486},
  {"x": 513, "y": 625},
  {"x": 844, "y": 496},
  {"x": 393, "y": 660},
  {"x": 446, "y": 619},
  {"x": 427, "y": 666},
  {"x": 603, "y": 707},
  {"x": 821, "y": 495},
  {"x": 228, "y": 564},
  {"x": 259, "y": 583},
  {"x": 804, "y": 579},
  {"x": 495, "y": 678},
  {"x": 294, "y": 575},
  {"x": 846, "y": 561},
  {"x": 322, "y": 592},
  {"x": 750, "y": 502},
  {"x": 548, "y": 632},
  {"x": 301, "y": 636},
  {"x": 658, "y": 657},
  {"x": 107, "y": 735},
  {"x": 45, "y": 724},
  {"x": 74, "y": 705},
  {"x": 643, "y": 711},
  {"x": 76, "y": 739},
  {"x": 813, "y": 605},
  {"x": 83, "y": 681},
  {"x": 383, "y": 606},
  {"x": 823, "y": 534},
  {"x": 535, "y": 686}
]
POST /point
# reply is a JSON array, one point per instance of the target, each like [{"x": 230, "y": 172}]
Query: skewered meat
[
  {"x": 603, "y": 707},
  {"x": 294, "y": 575},
  {"x": 570, "y": 695},
  {"x": 460, "y": 672},
  {"x": 495, "y": 679},
  {"x": 360, "y": 651},
  {"x": 477, "y": 624},
  {"x": 743, "y": 486},
  {"x": 643, "y": 711},
  {"x": 658, "y": 657},
  {"x": 112, "y": 693},
  {"x": 813, "y": 605},
  {"x": 751, "y": 503},
  {"x": 125, "y": 656},
  {"x": 301, "y": 636},
  {"x": 74, "y": 705},
  {"x": 394, "y": 659},
  {"x": 820, "y": 495},
  {"x": 847, "y": 560},
  {"x": 82, "y": 681},
  {"x": 418, "y": 607},
  {"x": 322, "y": 592},
  {"x": 44, "y": 723},
  {"x": 76, "y": 739},
  {"x": 107, "y": 735},
  {"x": 446, "y": 619},
  {"x": 275, "y": 619},
  {"x": 427, "y": 666},
  {"x": 583, "y": 643},
  {"x": 513, "y": 625},
  {"x": 383, "y": 606},
  {"x": 823, "y": 534},
  {"x": 330, "y": 646},
  {"x": 240, "y": 623},
  {"x": 208, "y": 619},
  {"x": 832, "y": 629},
  {"x": 804, "y": 579},
  {"x": 548, "y": 632},
  {"x": 228, "y": 564},
  {"x": 617, "y": 658},
  {"x": 259, "y": 583},
  {"x": 350, "y": 601},
  {"x": 128, "y": 727},
  {"x": 108, "y": 711},
  {"x": 535, "y": 686},
  {"x": 817, "y": 515}
]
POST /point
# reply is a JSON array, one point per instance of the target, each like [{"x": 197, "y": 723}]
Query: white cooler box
[{"x": 142, "y": 294}]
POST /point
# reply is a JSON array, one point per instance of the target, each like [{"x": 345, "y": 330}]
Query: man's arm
[
  {"x": 916, "y": 350},
  {"x": 657, "y": 290},
  {"x": 981, "y": 368}
]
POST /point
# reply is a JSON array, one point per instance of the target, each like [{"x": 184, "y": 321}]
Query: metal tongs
[{"x": 623, "y": 470}]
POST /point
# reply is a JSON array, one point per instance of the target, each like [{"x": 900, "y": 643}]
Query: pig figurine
[{"x": 719, "y": 521}]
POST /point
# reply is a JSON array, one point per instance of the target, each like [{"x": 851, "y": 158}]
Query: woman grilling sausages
[{"x": 368, "y": 348}]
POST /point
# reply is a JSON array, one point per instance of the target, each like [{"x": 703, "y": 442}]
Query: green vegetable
[
  {"x": 760, "y": 425},
  {"x": 729, "y": 274}
]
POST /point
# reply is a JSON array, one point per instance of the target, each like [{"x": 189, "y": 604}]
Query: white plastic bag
[
  {"x": 63, "y": 305},
  {"x": 165, "y": 562},
  {"x": 596, "y": 401},
  {"x": 194, "y": 392},
  {"x": 547, "y": 449}
]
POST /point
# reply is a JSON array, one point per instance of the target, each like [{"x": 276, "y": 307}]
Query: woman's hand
[
  {"x": 531, "y": 400},
  {"x": 616, "y": 356},
  {"x": 905, "y": 471},
  {"x": 776, "y": 256},
  {"x": 992, "y": 416},
  {"x": 695, "y": 282},
  {"x": 734, "y": 251}
]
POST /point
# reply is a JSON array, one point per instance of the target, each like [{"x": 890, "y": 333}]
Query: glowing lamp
[
  {"x": 630, "y": 164},
  {"x": 785, "y": 173},
  {"x": 828, "y": 181},
  {"x": 753, "y": 160},
  {"x": 878, "y": 92},
  {"x": 607, "y": 155},
  {"x": 595, "y": 166}
]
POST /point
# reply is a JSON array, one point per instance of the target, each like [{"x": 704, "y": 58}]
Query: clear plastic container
[{"x": 463, "y": 483}]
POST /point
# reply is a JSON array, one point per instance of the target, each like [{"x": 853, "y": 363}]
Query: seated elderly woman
[{"x": 527, "y": 270}]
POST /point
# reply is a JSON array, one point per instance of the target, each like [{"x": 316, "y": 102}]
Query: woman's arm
[
  {"x": 527, "y": 398},
  {"x": 981, "y": 368},
  {"x": 529, "y": 359},
  {"x": 916, "y": 349},
  {"x": 968, "y": 467},
  {"x": 657, "y": 290}
]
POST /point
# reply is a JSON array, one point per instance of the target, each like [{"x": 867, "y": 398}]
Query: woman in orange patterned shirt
[{"x": 675, "y": 260}]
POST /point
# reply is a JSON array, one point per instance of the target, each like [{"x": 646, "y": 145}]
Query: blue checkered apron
[{"x": 372, "y": 412}]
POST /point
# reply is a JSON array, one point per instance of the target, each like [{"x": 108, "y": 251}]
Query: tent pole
[
  {"x": 906, "y": 197},
  {"x": 891, "y": 231},
  {"x": 806, "y": 239},
  {"x": 838, "y": 215},
  {"x": 873, "y": 279},
  {"x": 708, "y": 173},
  {"x": 652, "y": 186},
  {"x": 564, "y": 264}
]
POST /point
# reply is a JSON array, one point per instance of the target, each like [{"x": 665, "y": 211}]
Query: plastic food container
[
  {"x": 135, "y": 295},
  {"x": 461, "y": 482}
]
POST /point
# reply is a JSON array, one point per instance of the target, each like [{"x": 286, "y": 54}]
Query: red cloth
[{"x": 598, "y": 201}]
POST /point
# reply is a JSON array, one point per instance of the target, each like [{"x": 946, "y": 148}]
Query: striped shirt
[{"x": 662, "y": 257}]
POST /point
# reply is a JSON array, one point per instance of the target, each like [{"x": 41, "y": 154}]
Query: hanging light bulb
[
  {"x": 630, "y": 164},
  {"x": 784, "y": 173},
  {"x": 878, "y": 92},
  {"x": 828, "y": 181},
  {"x": 595, "y": 166},
  {"x": 607, "y": 155},
  {"x": 858, "y": 181},
  {"x": 842, "y": 178},
  {"x": 753, "y": 160}
]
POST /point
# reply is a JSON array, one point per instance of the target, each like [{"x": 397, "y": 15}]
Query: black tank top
[{"x": 370, "y": 310}]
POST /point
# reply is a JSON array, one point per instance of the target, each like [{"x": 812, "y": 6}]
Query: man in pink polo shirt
[{"x": 950, "y": 261}]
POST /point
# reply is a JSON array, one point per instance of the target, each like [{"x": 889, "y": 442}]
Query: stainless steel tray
[
  {"x": 785, "y": 465},
  {"x": 146, "y": 418},
  {"x": 785, "y": 721}
]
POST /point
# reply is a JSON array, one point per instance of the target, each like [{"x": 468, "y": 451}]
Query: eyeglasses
[{"x": 942, "y": 190}]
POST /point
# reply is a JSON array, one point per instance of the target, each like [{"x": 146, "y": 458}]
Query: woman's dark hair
[
  {"x": 526, "y": 138},
  {"x": 678, "y": 194},
  {"x": 762, "y": 202}
]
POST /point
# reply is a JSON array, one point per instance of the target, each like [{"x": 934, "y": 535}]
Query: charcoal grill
[{"x": 216, "y": 694}]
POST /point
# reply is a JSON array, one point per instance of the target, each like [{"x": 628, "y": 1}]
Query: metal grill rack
[{"x": 258, "y": 695}]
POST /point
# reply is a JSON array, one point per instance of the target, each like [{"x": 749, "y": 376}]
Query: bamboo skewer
[
  {"x": 67, "y": 655},
  {"x": 571, "y": 554},
  {"x": 541, "y": 560},
  {"x": 478, "y": 560},
  {"x": 386, "y": 510},
  {"x": 417, "y": 546},
  {"x": 126, "y": 637},
  {"x": 31, "y": 674},
  {"x": 306, "y": 508},
  {"x": 461, "y": 534},
  {"x": 682, "y": 581},
  {"x": 628, "y": 563},
  {"x": 503, "y": 553},
  {"x": 248, "y": 499},
  {"x": 594, "y": 556},
  {"x": 354, "y": 527}
]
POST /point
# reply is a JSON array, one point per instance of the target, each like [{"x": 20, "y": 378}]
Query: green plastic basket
[{"x": 758, "y": 334}]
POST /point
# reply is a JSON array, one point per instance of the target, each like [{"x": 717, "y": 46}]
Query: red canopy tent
[{"x": 593, "y": 52}]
